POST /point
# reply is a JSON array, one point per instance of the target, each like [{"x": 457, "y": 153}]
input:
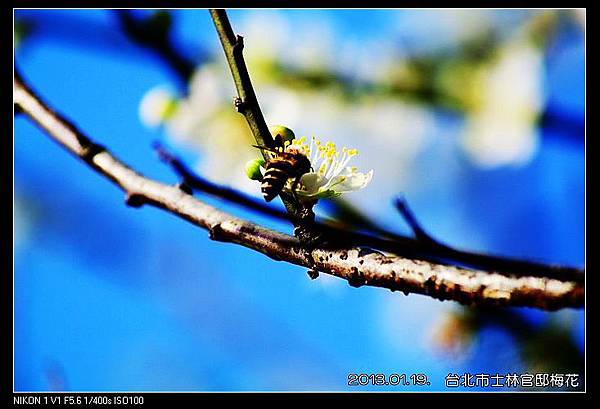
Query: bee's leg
[{"x": 293, "y": 189}]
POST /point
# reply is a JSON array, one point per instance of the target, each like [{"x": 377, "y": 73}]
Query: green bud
[
  {"x": 253, "y": 169},
  {"x": 285, "y": 133}
]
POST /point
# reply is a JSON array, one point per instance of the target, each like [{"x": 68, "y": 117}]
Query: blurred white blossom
[
  {"x": 270, "y": 37},
  {"x": 433, "y": 30},
  {"x": 157, "y": 106},
  {"x": 501, "y": 98},
  {"x": 502, "y": 129}
]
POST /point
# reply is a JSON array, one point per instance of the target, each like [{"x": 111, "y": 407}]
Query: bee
[{"x": 284, "y": 164}]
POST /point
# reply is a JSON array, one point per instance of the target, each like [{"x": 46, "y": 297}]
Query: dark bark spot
[
  {"x": 430, "y": 284},
  {"x": 356, "y": 279},
  {"x": 216, "y": 232},
  {"x": 135, "y": 200},
  {"x": 355, "y": 283}
]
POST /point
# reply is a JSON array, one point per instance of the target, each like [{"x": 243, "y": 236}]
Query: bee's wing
[
  {"x": 266, "y": 148},
  {"x": 273, "y": 153}
]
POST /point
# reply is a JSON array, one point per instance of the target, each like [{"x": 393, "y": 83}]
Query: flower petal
[
  {"x": 312, "y": 182},
  {"x": 353, "y": 181},
  {"x": 331, "y": 176},
  {"x": 326, "y": 194}
]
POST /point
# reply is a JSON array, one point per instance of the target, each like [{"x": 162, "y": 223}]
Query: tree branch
[
  {"x": 247, "y": 104},
  {"x": 423, "y": 246},
  {"x": 359, "y": 266},
  {"x": 485, "y": 261},
  {"x": 156, "y": 39},
  {"x": 332, "y": 230}
]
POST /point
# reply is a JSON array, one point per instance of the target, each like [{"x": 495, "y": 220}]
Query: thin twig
[
  {"x": 423, "y": 247},
  {"x": 247, "y": 104},
  {"x": 485, "y": 261},
  {"x": 357, "y": 265},
  {"x": 333, "y": 231},
  {"x": 411, "y": 220},
  {"x": 201, "y": 184}
]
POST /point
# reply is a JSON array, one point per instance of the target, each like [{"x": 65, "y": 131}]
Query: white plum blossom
[
  {"x": 157, "y": 106},
  {"x": 502, "y": 130},
  {"x": 330, "y": 175}
]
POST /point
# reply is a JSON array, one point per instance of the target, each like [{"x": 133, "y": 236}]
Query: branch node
[
  {"x": 216, "y": 232},
  {"x": 238, "y": 46},
  {"x": 91, "y": 150},
  {"x": 184, "y": 187},
  {"x": 135, "y": 200},
  {"x": 239, "y": 105},
  {"x": 313, "y": 274}
]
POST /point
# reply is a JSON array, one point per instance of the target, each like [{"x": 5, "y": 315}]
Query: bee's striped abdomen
[{"x": 277, "y": 173}]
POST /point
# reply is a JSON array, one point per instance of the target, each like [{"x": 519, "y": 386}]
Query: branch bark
[{"x": 359, "y": 266}]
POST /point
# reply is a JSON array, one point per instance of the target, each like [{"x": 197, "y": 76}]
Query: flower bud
[
  {"x": 253, "y": 169},
  {"x": 285, "y": 133}
]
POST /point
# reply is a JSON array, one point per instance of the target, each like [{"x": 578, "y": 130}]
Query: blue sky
[{"x": 135, "y": 299}]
